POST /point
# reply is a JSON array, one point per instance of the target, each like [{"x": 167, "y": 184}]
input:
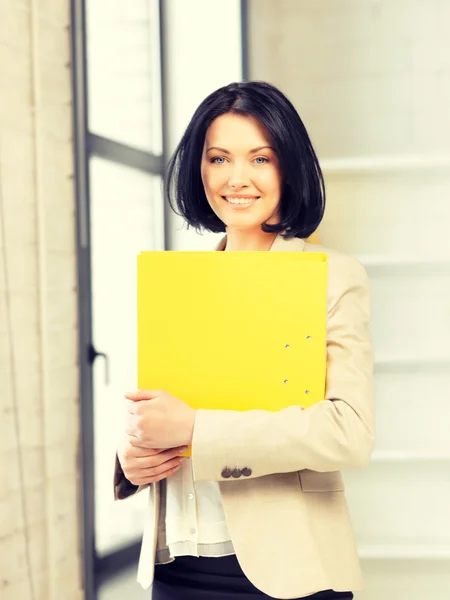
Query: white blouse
[{"x": 195, "y": 523}]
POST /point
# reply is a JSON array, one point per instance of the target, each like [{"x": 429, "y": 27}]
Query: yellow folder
[{"x": 233, "y": 330}]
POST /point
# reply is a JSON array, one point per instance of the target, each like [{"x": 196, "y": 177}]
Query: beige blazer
[{"x": 288, "y": 520}]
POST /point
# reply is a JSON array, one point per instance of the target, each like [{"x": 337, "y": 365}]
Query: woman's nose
[{"x": 238, "y": 177}]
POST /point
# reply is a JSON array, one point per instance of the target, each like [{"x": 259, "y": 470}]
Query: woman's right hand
[{"x": 142, "y": 465}]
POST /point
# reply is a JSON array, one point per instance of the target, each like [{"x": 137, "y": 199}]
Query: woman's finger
[
  {"x": 141, "y": 451},
  {"x": 154, "y": 478},
  {"x": 161, "y": 467},
  {"x": 150, "y": 469},
  {"x": 132, "y": 432},
  {"x": 160, "y": 457}
]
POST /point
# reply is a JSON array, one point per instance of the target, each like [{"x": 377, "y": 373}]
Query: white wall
[
  {"x": 369, "y": 77},
  {"x": 371, "y": 80},
  {"x": 202, "y": 53}
]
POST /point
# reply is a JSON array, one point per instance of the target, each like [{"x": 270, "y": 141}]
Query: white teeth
[{"x": 240, "y": 200}]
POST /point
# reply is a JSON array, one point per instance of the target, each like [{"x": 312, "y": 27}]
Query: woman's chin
[
  {"x": 242, "y": 224},
  {"x": 241, "y": 219}
]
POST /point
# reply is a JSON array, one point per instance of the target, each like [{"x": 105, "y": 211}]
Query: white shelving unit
[
  {"x": 404, "y": 552},
  {"x": 387, "y": 456},
  {"x": 379, "y": 120},
  {"x": 398, "y": 267},
  {"x": 398, "y": 262},
  {"x": 385, "y": 164},
  {"x": 438, "y": 362}
]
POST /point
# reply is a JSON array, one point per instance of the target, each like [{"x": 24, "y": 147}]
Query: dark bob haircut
[{"x": 303, "y": 193}]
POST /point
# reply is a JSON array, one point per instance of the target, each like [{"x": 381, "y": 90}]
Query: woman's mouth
[{"x": 241, "y": 200}]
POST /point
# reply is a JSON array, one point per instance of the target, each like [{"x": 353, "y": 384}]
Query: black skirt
[{"x": 191, "y": 578}]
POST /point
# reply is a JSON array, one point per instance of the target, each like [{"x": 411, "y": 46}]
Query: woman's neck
[{"x": 249, "y": 240}]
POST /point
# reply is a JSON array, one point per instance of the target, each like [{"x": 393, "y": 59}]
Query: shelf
[
  {"x": 377, "y": 164},
  {"x": 382, "y": 261},
  {"x": 404, "y": 551},
  {"x": 398, "y": 456},
  {"x": 432, "y": 363}
]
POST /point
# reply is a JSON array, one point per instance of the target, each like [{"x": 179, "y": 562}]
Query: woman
[{"x": 259, "y": 510}]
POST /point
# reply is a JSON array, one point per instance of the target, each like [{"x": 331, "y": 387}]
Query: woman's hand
[
  {"x": 142, "y": 465},
  {"x": 157, "y": 419}
]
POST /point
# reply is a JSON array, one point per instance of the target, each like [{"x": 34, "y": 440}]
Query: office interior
[{"x": 94, "y": 97}]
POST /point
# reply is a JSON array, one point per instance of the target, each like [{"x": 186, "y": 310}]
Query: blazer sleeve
[
  {"x": 333, "y": 434},
  {"x": 122, "y": 487}
]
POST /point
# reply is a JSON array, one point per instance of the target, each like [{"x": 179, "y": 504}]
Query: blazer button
[
  {"x": 236, "y": 473},
  {"x": 226, "y": 473},
  {"x": 246, "y": 472}
]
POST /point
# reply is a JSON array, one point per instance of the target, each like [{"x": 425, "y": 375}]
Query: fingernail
[{"x": 183, "y": 449}]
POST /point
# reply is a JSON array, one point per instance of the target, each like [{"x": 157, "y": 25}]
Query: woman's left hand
[{"x": 156, "y": 419}]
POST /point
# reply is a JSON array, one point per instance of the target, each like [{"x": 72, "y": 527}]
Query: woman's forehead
[{"x": 231, "y": 131}]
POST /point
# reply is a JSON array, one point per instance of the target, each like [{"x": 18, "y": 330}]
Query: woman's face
[{"x": 241, "y": 173}]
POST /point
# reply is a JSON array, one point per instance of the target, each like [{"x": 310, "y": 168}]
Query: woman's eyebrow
[
  {"x": 251, "y": 151},
  {"x": 261, "y": 148},
  {"x": 219, "y": 149}
]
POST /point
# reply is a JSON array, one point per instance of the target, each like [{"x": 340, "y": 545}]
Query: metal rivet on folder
[
  {"x": 286, "y": 380},
  {"x": 286, "y": 346},
  {"x": 306, "y": 391},
  {"x": 308, "y": 337}
]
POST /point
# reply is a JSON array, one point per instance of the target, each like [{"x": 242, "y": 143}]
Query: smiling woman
[
  {"x": 246, "y": 162},
  {"x": 241, "y": 173},
  {"x": 258, "y": 510}
]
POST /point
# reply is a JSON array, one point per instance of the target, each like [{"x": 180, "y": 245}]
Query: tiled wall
[{"x": 39, "y": 441}]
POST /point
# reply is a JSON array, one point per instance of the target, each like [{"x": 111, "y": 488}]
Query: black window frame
[{"x": 96, "y": 569}]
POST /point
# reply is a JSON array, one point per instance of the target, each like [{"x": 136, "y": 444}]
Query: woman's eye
[
  {"x": 218, "y": 160},
  {"x": 260, "y": 160}
]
